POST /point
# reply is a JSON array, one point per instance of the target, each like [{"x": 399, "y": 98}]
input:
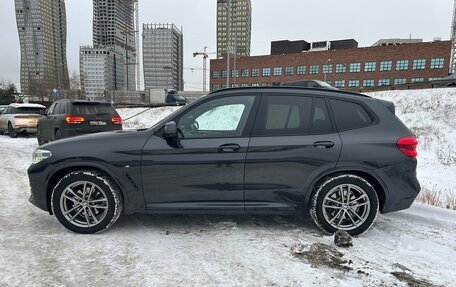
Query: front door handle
[
  {"x": 323, "y": 144},
  {"x": 229, "y": 148}
]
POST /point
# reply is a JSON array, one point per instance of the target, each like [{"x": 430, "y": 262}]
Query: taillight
[
  {"x": 74, "y": 120},
  {"x": 408, "y": 146},
  {"x": 117, "y": 121},
  {"x": 21, "y": 117}
]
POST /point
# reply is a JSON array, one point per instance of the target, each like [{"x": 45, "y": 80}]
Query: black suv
[
  {"x": 339, "y": 156},
  {"x": 67, "y": 118}
]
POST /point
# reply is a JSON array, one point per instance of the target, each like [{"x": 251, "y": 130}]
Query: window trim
[{"x": 369, "y": 111}]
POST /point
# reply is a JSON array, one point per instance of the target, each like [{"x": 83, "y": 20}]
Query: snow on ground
[{"x": 415, "y": 246}]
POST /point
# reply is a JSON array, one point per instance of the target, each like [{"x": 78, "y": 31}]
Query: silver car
[{"x": 20, "y": 118}]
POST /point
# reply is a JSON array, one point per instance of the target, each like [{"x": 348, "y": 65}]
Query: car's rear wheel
[
  {"x": 347, "y": 202},
  {"x": 58, "y": 135},
  {"x": 86, "y": 202},
  {"x": 38, "y": 137},
  {"x": 11, "y": 132}
]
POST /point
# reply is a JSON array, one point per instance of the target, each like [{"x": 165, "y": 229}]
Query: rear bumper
[
  {"x": 25, "y": 129},
  {"x": 402, "y": 185}
]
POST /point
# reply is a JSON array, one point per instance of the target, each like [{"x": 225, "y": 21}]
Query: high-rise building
[
  {"x": 163, "y": 57},
  {"x": 453, "y": 42},
  {"x": 239, "y": 24},
  {"x": 113, "y": 44},
  {"x": 42, "y": 34}
]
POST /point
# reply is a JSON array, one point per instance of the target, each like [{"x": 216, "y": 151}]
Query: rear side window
[
  {"x": 350, "y": 115},
  {"x": 37, "y": 111},
  {"x": 321, "y": 123},
  {"x": 94, "y": 109}
]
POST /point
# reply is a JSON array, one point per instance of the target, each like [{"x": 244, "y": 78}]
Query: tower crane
[{"x": 205, "y": 55}]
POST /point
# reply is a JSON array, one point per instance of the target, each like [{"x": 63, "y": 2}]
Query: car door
[
  {"x": 203, "y": 169},
  {"x": 292, "y": 141},
  {"x": 45, "y": 124},
  {"x": 4, "y": 119}
]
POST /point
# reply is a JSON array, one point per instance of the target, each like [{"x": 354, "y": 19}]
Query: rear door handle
[
  {"x": 323, "y": 144},
  {"x": 229, "y": 148}
]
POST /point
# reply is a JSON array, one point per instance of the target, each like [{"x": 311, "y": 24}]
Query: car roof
[
  {"x": 312, "y": 91},
  {"x": 27, "y": 106},
  {"x": 81, "y": 101}
]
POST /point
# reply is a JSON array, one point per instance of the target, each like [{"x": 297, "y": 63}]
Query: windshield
[
  {"x": 94, "y": 109},
  {"x": 28, "y": 110}
]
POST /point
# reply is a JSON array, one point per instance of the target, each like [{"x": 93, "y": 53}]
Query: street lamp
[{"x": 326, "y": 70}]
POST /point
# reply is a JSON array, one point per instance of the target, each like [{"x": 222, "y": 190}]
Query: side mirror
[{"x": 170, "y": 130}]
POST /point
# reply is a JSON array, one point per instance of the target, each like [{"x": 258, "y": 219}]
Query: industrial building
[
  {"x": 341, "y": 64},
  {"x": 114, "y": 33},
  {"x": 234, "y": 16},
  {"x": 163, "y": 57},
  {"x": 42, "y": 31}
]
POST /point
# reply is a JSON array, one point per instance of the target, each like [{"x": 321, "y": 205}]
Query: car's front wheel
[
  {"x": 347, "y": 202},
  {"x": 86, "y": 202},
  {"x": 11, "y": 132}
]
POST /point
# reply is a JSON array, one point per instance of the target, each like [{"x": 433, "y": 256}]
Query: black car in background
[
  {"x": 176, "y": 99},
  {"x": 68, "y": 118},
  {"x": 342, "y": 157}
]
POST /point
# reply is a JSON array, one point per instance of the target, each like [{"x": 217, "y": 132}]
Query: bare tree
[{"x": 75, "y": 82}]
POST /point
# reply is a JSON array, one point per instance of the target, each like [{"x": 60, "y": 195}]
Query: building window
[
  {"x": 215, "y": 87},
  {"x": 400, "y": 81},
  {"x": 419, "y": 64},
  {"x": 313, "y": 70},
  {"x": 245, "y": 73},
  {"x": 255, "y": 85},
  {"x": 277, "y": 71},
  {"x": 244, "y": 85},
  {"x": 255, "y": 72},
  {"x": 368, "y": 83},
  {"x": 402, "y": 65},
  {"x": 235, "y": 73},
  {"x": 266, "y": 72},
  {"x": 355, "y": 67},
  {"x": 353, "y": 83},
  {"x": 370, "y": 67},
  {"x": 437, "y": 63},
  {"x": 327, "y": 69},
  {"x": 434, "y": 79},
  {"x": 300, "y": 70},
  {"x": 215, "y": 74},
  {"x": 224, "y": 75},
  {"x": 417, "y": 80},
  {"x": 383, "y": 82},
  {"x": 339, "y": 84},
  {"x": 341, "y": 68},
  {"x": 386, "y": 66},
  {"x": 289, "y": 71}
]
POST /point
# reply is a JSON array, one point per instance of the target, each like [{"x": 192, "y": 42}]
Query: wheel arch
[
  {"x": 379, "y": 186},
  {"x": 60, "y": 173}
]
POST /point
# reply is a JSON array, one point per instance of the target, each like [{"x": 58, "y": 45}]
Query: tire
[
  {"x": 40, "y": 140},
  {"x": 11, "y": 132},
  {"x": 58, "y": 135},
  {"x": 347, "y": 202},
  {"x": 90, "y": 212}
]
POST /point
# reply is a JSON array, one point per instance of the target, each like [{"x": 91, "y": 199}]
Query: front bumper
[{"x": 38, "y": 192}]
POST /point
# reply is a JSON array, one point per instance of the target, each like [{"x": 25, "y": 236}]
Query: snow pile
[
  {"x": 146, "y": 119},
  {"x": 431, "y": 115}
]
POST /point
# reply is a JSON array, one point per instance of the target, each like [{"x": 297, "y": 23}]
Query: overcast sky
[{"x": 364, "y": 20}]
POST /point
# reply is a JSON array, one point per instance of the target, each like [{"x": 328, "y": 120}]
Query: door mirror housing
[{"x": 170, "y": 130}]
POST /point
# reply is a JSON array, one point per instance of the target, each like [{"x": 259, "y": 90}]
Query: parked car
[
  {"x": 342, "y": 157},
  {"x": 310, "y": 84},
  {"x": 20, "y": 118},
  {"x": 68, "y": 118},
  {"x": 175, "y": 99},
  {"x": 2, "y": 108}
]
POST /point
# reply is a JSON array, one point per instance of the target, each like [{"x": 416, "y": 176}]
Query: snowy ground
[{"x": 415, "y": 246}]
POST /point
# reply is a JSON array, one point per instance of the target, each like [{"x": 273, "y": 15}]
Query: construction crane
[
  {"x": 137, "y": 46},
  {"x": 205, "y": 55}
]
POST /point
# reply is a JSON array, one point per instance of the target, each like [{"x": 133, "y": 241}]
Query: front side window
[
  {"x": 437, "y": 63},
  {"x": 292, "y": 116},
  {"x": 355, "y": 67},
  {"x": 266, "y": 72},
  {"x": 370, "y": 66},
  {"x": 224, "y": 117},
  {"x": 402, "y": 65},
  {"x": 386, "y": 66},
  {"x": 350, "y": 115}
]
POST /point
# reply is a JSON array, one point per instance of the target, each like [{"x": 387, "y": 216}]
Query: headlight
[{"x": 40, "y": 154}]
